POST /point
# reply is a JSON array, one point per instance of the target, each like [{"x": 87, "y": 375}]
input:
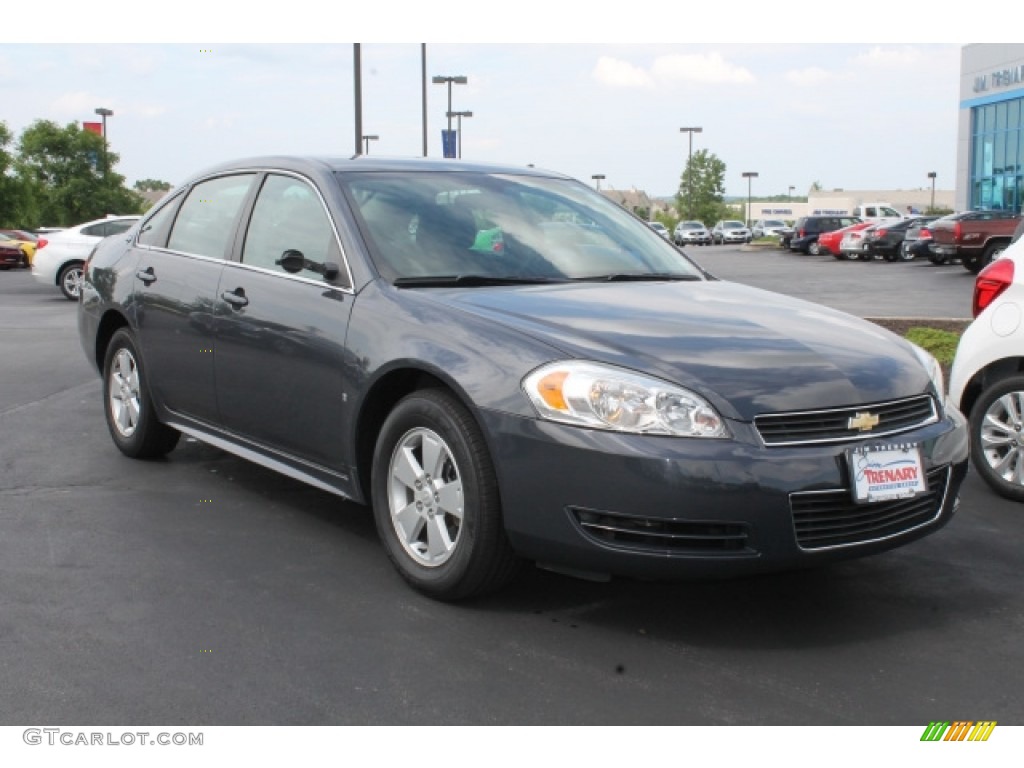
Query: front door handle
[
  {"x": 235, "y": 298},
  {"x": 146, "y": 275}
]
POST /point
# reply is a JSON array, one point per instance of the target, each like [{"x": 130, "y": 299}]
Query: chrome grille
[
  {"x": 825, "y": 519},
  {"x": 662, "y": 536},
  {"x": 833, "y": 425}
]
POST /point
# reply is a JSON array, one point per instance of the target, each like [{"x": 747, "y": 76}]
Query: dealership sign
[{"x": 1000, "y": 78}]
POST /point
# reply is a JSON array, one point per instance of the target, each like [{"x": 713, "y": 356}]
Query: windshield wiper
[
  {"x": 625, "y": 277},
  {"x": 447, "y": 281}
]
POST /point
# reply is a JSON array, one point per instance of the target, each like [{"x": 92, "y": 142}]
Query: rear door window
[{"x": 206, "y": 222}]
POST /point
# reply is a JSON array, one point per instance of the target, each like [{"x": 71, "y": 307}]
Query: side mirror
[
  {"x": 292, "y": 261},
  {"x": 330, "y": 271}
]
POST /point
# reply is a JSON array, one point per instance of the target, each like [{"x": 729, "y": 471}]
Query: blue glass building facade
[{"x": 990, "y": 167}]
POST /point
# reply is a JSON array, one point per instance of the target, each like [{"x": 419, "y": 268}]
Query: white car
[
  {"x": 986, "y": 382},
  {"x": 660, "y": 228},
  {"x": 854, "y": 245},
  {"x": 59, "y": 262},
  {"x": 768, "y": 228}
]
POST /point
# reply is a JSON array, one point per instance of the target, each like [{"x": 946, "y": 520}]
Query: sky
[{"x": 876, "y": 115}]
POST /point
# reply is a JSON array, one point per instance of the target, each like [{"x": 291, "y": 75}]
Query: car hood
[{"x": 747, "y": 351}]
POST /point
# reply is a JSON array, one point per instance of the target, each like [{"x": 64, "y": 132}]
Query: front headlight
[
  {"x": 605, "y": 397},
  {"x": 934, "y": 370}
]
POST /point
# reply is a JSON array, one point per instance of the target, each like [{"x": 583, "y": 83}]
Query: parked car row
[
  {"x": 850, "y": 238},
  {"x": 17, "y": 248}
]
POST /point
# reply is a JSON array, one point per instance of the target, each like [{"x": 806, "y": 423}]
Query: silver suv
[
  {"x": 730, "y": 232},
  {"x": 690, "y": 232}
]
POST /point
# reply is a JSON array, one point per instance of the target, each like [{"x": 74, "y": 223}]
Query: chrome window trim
[
  {"x": 318, "y": 282},
  {"x": 350, "y": 288}
]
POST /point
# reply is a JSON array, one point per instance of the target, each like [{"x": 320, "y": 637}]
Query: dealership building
[{"x": 990, "y": 134}]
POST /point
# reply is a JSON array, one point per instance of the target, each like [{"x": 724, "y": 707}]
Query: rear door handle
[
  {"x": 235, "y": 298},
  {"x": 146, "y": 275}
]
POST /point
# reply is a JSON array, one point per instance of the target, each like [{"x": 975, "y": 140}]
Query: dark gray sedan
[{"x": 510, "y": 368}]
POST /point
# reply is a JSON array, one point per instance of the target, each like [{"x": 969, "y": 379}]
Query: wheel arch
[
  {"x": 64, "y": 265},
  {"x": 986, "y": 376},
  {"x": 381, "y": 399},
  {"x": 111, "y": 321}
]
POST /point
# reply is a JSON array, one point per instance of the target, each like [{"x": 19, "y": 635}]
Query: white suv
[
  {"x": 987, "y": 379},
  {"x": 60, "y": 262}
]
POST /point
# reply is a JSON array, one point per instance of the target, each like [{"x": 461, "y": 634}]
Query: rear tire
[
  {"x": 128, "y": 408},
  {"x": 70, "y": 281},
  {"x": 973, "y": 264}
]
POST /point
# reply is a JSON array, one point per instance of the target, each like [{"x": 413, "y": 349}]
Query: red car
[{"x": 828, "y": 242}]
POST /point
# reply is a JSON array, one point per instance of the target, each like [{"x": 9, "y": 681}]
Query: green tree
[
  {"x": 702, "y": 187},
  {"x": 12, "y": 203},
  {"x": 151, "y": 185},
  {"x": 68, "y": 177}
]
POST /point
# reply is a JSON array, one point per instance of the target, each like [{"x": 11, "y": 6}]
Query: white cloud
[
  {"x": 887, "y": 58},
  {"x": 74, "y": 104},
  {"x": 707, "y": 68},
  {"x": 808, "y": 76},
  {"x": 621, "y": 74}
]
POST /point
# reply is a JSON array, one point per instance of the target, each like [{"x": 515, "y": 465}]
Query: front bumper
[{"x": 604, "y": 503}]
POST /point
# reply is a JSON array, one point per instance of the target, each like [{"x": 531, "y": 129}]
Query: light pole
[
  {"x": 931, "y": 175},
  {"x": 689, "y": 171},
  {"x": 749, "y": 176},
  {"x": 357, "y": 88},
  {"x": 366, "y": 142},
  {"x": 104, "y": 113},
  {"x": 458, "y": 126},
  {"x": 791, "y": 188},
  {"x": 449, "y": 79},
  {"x": 597, "y": 180}
]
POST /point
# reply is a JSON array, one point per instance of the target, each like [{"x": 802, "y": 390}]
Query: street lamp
[
  {"x": 449, "y": 79},
  {"x": 689, "y": 171},
  {"x": 458, "y": 126},
  {"x": 791, "y": 188},
  {"x": 749, "y": 176},
  {"x": 104, "y": 113},
  {"x": 597, "y": 180},
  {"x": 931, "y": 175},
  {"x": 366, "y": 142}
]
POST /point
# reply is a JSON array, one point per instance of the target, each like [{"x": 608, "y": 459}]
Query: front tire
[
  {"x": 997, "y": 437},
  {"x": 128, "y": 408},
  {"x": 436, "y": 501},
  {"x": 70, "y": 281}
]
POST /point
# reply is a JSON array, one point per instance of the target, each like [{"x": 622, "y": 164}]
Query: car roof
[{"x": 313, "y": 165}]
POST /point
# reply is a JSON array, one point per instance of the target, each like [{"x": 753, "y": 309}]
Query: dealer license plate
[{"x": 888, "y": 472}]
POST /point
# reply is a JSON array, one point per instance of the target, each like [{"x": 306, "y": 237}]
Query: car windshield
[
  {"x": 774, "y": 223},
  {"x": 732, "y": 225},
  {"x": 479, "y": 228},
  {"x": 692, "y": 225}
]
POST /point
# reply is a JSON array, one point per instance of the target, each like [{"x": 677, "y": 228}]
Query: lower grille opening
[
  {"x": 662, "y": 536},
  {"x": 824, "y": 519}
]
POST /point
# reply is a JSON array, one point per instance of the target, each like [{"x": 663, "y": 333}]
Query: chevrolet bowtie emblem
[{"x": 863, "y": 422}]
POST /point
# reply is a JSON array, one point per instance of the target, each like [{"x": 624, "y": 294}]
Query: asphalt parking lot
[{"x": 202, "y": 589}]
